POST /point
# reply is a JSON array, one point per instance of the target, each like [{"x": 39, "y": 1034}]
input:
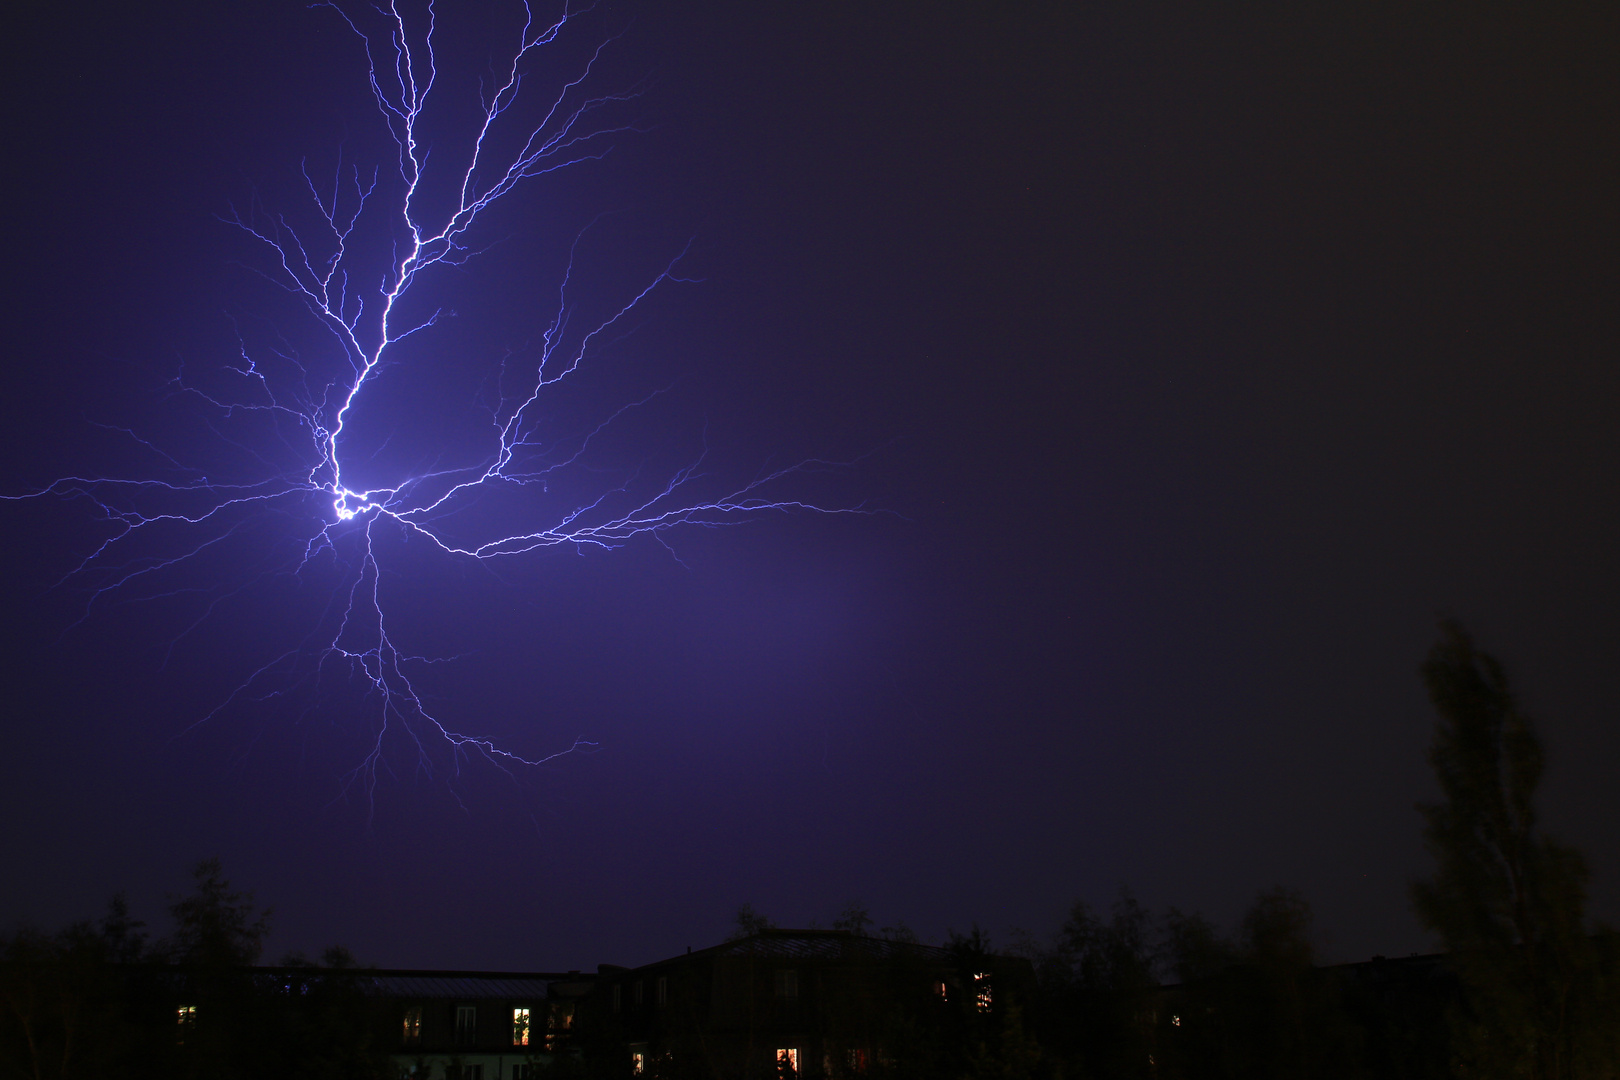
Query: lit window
[
  {"x": 559, "y": 1018},
  {"x": 663, "y": 990},
  {"x": 940, "y": 990},
  {"x": 466, "y": 1024},
  {"x": 520, "y": 1027},
  {"x": 413, "y": 1024},
  {"x": 787, "y": 1060},
  {"x": 186, "y": 1018},
  {"x": 787, "y": 984},
  {"x": 1176, "y": 1020},
  {"x": 981, "y": 983},
  {"x": 638, "y": 1058}
]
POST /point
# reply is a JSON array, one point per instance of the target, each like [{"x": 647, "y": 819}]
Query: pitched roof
[
  {"x": 819, "y": 945},
  {"x": 459, "y": 986},
  {"x": 426, "y": 983}
]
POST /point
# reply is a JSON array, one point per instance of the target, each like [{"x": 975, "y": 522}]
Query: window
[
  {"x": 618, "y": 997},
  {"x": 636, "y": 991},
  {"x": 520, "y": 1027},
  {"x": 787, "y": 1061},
  {"x": 663, "y": 990},
  {"x": 522, "y": 1072},
  {"x": 638, "y": 1058},
  {"x": 559, "y": 1019},
  {"x": 940, "y": 990},
  {"x": 466, "y": 1025},
  {"x": 981, "y": 984},
  {"x": 1176, "y": 1020},
  {"x": 787, "y": 984},
  {"x": 859, "y": 1061},
  {"x": 413, "y": 1025},
  {"x": 185, "y": 1019}
]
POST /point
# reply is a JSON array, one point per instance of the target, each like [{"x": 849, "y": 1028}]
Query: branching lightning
[{"x": 295, "y": 418}]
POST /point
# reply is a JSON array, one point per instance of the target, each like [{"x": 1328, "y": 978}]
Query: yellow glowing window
[
  {"x": 186, "y": 1017},
  {"x": 981, "y": 983},
  {"x": 787, "y": 1060},
  {"x": 520, "y": 1027},
  {"x": 413, "y": 1025}
]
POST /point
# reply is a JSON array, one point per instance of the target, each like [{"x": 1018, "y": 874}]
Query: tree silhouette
[
  {"x": 1508, "y": 901},
  {"x": 216, "y": 927}
]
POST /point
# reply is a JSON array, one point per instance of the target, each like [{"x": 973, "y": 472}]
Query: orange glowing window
[
  {"x": 520, "y": 1027},
  {"x": 413, "y": 1025}
]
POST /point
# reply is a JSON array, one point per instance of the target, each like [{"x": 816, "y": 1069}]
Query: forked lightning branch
[{"x": 379, "y": 239}]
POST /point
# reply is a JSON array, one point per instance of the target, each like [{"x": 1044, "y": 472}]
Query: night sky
[{"x": 1199, "y": 357}]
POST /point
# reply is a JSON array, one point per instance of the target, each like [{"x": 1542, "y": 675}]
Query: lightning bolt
[{"x": 292, "y": 418}]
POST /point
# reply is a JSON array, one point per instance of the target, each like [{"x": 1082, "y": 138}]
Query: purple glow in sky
[
  {"x": 292, "y": 422},
  {"x": 1208, "y": 356}
]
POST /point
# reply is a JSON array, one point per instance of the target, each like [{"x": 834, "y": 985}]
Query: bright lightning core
[{"x": 300, "y": 432}]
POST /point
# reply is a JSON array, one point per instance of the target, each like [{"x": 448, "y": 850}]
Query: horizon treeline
[
  {"x": 1526, "y": 987},
  {"x": 94, "y": 999}
]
